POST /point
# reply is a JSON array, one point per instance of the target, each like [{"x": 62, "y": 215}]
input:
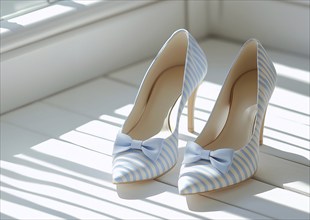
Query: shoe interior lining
[
  {"x": 159, "y": 92},
  {"x": 231, "y": 122},
  {"x": 165, "y": 92},
  {"x": 238, "y": 128}
]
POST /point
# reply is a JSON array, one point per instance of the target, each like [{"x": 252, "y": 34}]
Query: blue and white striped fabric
[
  {"x": 132, "y": 165},
  {"x": 202, "y": 176}
]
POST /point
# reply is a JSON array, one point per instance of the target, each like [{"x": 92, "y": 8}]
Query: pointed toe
[
  {"x": 185, "y": 185},
  {"x": 120, "y": 175},
  {"x": 117, "y": 178},
  {"x": 197, "y": 179}
]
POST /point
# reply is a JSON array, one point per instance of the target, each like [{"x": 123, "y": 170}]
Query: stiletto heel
[
  {"x": 147, "y": 145},
  {"x": 191, "y": 110},
  {"x": 226, "y": 152},
  {"x": 261, "y": 133}
]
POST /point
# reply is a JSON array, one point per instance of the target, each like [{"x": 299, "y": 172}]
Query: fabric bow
[
  {"x": 221, "y": 159},
  {"x": 151, "y": 147}
]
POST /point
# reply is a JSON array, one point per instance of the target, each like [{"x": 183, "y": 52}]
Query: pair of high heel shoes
[{"x": 226, "y": 152}]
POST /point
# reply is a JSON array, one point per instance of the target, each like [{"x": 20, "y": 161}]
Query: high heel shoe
[
  {"x": 147, "y": 145},
  {"x": 226, "y": 152}
]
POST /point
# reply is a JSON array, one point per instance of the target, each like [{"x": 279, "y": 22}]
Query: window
[{"x": 12, "y": 8}]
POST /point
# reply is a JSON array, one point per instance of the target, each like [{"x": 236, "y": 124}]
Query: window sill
[{"x": 59, "y": 18}]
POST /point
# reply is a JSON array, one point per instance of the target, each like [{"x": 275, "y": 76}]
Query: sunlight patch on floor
[
  {"x": 68, "y": 172},
  {"x": 285, "y": 138},
  {"x": 89, "y": 142},
  {"x": 3, "y": 30},
  {"x": 295, "y": 185},
  {"x": 125, "y": 110},
  {"x": 301, "y": 203},
  {"x": 18, "y": 211},
  {"x": 292, "y": 73},
  {"x": 57, "y": 201},
  {"x": 100, "y": 129},
  {"x": 74, "y": 154},
  {"x": 109, "y": 118}
]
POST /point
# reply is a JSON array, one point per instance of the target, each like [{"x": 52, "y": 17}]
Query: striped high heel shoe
[
  {"x": 226, "y": 152},
  {"x": 147, "y": 145}
]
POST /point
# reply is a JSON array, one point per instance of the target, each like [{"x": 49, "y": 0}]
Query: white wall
[{"x": 277, "y": 24}]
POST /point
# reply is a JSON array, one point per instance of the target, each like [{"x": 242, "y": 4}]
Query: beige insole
[
  {"x": 239, "y": 125},
  {"x": 163, "y": 96}
]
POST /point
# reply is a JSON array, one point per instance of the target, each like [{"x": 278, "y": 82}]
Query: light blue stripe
[
  {"x": 162, "y": 167},
  {"x": 267, "y": 81},
  {"x": 209, "y": 174},
  {"x": 252, "y": 153},
  {"x": 139, "y": 171},
  {"x": 232, "y": 176},
  {"x": 192, "y": 70},
  {"x": 172, "y": 142},
  {"x": 242, "y": 167},
  {"x": 146, "y": 165},
  {"x": 193, "y": 82},
  {"x": 199, "y": 68},
  {"x": 171, "y": 160},
  {"x": 248, "y": 157},
  {"x": 199, "y": 65},
  {"x": 194, "y": 184},
  {"x": 190, "y": 84},
  {"x": 234, "y": 167},
  {"x": 265, "y": 59},
  {"x": 245, "y": 164},
  {"x": 266, "y": 76}
]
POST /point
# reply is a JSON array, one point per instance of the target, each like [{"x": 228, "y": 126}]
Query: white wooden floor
[{"x": 56, "y": 153}]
